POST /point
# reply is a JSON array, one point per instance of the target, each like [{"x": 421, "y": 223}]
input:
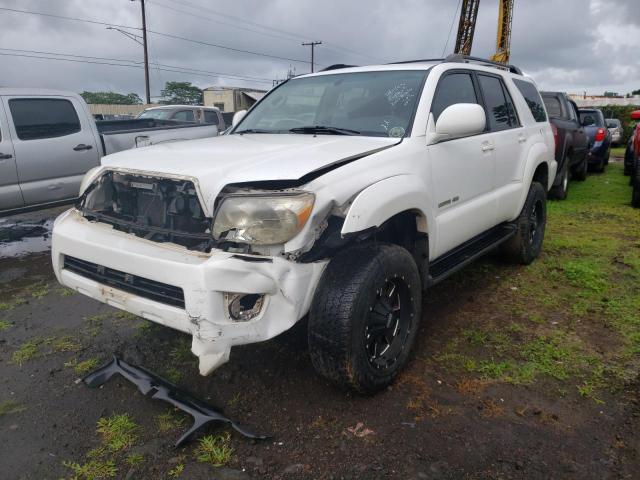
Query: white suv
[{"x": 340, "y": 196}]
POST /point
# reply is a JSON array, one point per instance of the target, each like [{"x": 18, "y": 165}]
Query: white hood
[{"x": 216, "y": 162}]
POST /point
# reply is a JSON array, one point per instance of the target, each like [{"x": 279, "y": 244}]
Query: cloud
[{"x": 573, "y": 45}]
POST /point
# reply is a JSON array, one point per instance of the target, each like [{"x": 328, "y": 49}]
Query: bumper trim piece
[{"x": 162, "y": 389}]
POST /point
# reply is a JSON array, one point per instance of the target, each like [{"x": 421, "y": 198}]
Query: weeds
[
  {"x": 84, "y": 367},
  {"x": 11, "y": 406},
  {"x": 134, "y": 459},
  {"x": 118, "y": 432},
  {"x": 27, "y": 351},
  {"x": 214, "y": 450},
  {"x": 176, "y": 471},
  {"x": 92, "y": 470},
  {"x": 5, "y": 325},
  {"x": 168, "y": 421}
]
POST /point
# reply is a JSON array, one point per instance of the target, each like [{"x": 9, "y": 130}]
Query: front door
[
  {"x": 10, "y": 194},
  {"x": 462, "y": 170},
  {"x": 54, "y": 146}
]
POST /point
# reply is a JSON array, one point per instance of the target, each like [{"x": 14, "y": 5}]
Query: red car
[{"x": 635, "y": 171}]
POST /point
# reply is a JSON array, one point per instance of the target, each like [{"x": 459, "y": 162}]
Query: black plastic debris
[{"x": 162, "y": 389}]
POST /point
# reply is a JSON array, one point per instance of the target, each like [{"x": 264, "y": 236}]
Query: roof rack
[
  {"x": 337, "y": 66},
  {"x": 455, "y": 57},
  {"x": 423, "y": 60}
]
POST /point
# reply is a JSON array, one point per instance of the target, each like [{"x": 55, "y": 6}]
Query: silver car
[{"x": 615, "y": 127}]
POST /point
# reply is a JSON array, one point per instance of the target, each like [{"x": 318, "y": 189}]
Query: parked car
[
  {"x": 186, "y": 113},
  {"x": 571, "y": 144},
  {"x": 629, "y": 153},
  {"x": 617, "y": 132},
  {"x": 599, "y": 137},
  {"x": 340, "y": 196},
  {"x": 635, "y": 158},
  {"x": 49, "y": 140}
]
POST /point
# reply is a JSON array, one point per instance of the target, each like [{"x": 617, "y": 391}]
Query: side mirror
[
  {"x": 635, "y": 115},
  {"x": 237, "y": 117},
  {"x": 459, "y": 120}
]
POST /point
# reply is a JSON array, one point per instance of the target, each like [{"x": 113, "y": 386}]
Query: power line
[
  {"x": 161, "y": 67},
  {"x": 168, "y": 35},
  {"x": 453, "y": 21},
  {"x": 62, "y": 17},
  {"x": 298, "y": 36}
]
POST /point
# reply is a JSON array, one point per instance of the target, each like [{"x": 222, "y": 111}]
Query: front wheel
[
  {"x": 525, "y": 246},
  {"x": 364, "y": 316}
]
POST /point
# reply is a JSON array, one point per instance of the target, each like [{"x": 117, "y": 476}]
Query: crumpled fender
[{"x": 379, "y": 202}]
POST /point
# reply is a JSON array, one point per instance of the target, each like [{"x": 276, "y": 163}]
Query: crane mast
[
  {"x": 467, "y": 26},
  {"x": 503, "y": 42}
]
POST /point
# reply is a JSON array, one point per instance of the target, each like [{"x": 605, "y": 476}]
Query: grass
[
  {"x": 214, "y": 450},
  {"x": 134, "y": 459},
  {"x": 618, "y": 151},
  {"x": 181, "y": 352},
  {"x": 176, "y": 471},
  {"x": 168, "y": 421},
  {"x": 173, "y": 374},
  {"x": 11, "y": 406},
  {"x": 27, "y": 351},
  {"x": 64, "y": 344},
  {"x": 118, "y": 431},
  {"x": 92, "y": 470},
  {"x": 5, "y": 325},
  {"x": 572, "y": 316},
  {"x": 83, "y": 367}
]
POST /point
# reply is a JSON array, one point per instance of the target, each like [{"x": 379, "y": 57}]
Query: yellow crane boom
[{"x": 467, "y": 25}]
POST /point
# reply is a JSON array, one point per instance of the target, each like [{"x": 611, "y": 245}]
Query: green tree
[
  {"x": 636, "y": 92},
  {"x": 111, "y": 98},
  {"x": 182, "y": 93}
]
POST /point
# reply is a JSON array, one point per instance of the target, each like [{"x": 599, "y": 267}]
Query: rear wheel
[
  {"x": 525, "y": 246},
  {"x": 599, "y": 167},
  {"x": 559, "y": 192},
  {"x": 364, "y": 316},
  {"x": 580, "y": 171},
  {"x": 635, "y": 194}
]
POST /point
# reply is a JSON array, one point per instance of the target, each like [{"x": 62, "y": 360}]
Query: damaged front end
[{"x": 156, "y": 209}]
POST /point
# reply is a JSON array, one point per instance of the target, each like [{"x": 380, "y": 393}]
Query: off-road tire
[
  {"x": 559, "y": 192},
  {"x": 580, "y": 171},
  {"x": 341, "y": 312},
  {"x": 525, "y": 246}
]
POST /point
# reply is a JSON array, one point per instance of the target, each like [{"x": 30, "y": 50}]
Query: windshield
[
  {"x": 157, "y": 113},
  {"x": 377, "y": 104}
]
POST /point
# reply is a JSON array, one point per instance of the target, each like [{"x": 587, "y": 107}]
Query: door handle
[
  {"x": 82, "y": 146},
  {"x": 487, "y": 147},
  {"x": 522, "y": 139},
  {"x": 5, "y": 156}
]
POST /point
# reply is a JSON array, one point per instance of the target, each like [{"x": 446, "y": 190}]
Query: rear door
[
  {"x": 462, "y": 169},
  {"x": 10, "y": 194},
  {"x": 54, "y": 146}
]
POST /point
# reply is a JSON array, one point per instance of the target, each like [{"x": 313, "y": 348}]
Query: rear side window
[
  {"x": 36, "y": 118},
  {"x": 498, "y": 104},
  {"x": 211, "y": 117},
  {"x": 532, "y": 97},
  {"x": 554, "y": 109},
  {"x": 184, "y": 116},
  {"x": 453, "y": 88},
  {"x": 590, "y": 118}
]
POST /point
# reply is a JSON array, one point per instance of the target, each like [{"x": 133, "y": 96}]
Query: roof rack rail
[
  {"x": 455, "y": 57},
  {"x": 337, "y": 66},
  {"x": 422, "y": 60}
]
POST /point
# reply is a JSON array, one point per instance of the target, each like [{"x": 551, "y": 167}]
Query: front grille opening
[
  {"x": 142, "y": 287},
  {"x": 157, "y": 209}
]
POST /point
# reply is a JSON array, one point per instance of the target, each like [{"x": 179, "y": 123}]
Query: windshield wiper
[
  {"x": 324, "y": 129},
  {"x": 254, "y": 130}
]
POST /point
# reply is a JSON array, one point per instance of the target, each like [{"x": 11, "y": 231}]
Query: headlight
[
  {"x": 89, "y": 178},
  {"x": 262, "y": 219}
]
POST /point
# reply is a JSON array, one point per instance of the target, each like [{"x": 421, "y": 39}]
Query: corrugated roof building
[{"x": 232, "y": 99}]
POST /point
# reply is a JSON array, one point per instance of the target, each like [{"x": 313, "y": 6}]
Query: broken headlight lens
[{"x": 262, "y": 219}]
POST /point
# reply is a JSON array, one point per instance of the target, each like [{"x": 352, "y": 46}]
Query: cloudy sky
[{"x": 572, "y": 45}]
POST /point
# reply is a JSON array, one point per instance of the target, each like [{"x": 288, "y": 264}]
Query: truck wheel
[
  {"x": 364, "y": 316},
  {"x": 524, "y": 247},
  {"x": 559, "y": 192},
  {"x": 580, "y": 172}
]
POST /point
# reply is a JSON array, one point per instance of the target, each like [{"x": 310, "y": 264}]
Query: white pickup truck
[
  {"x": 49, "y": 140},
  {"x": 340, "y": 197}
]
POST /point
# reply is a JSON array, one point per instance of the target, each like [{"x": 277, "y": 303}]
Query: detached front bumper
[{"x": 203, "y": 277}]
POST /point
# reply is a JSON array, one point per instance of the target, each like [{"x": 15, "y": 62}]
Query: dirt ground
[{"x": 519, "y": 372}]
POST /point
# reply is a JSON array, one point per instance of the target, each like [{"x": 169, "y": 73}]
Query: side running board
[{"x": 452, "y": 261}]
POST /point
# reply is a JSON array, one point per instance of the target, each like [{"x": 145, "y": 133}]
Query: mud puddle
[{"x": 18, "y": 238}]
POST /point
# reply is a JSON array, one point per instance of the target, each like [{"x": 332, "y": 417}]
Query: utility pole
[
  {"x": 146, "y": 52},
  {"x": 312, "y": 45}
]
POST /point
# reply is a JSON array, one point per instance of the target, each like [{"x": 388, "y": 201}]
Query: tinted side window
[
  {"x": 500, "y": 112},
  {"x": 211, "y": 117},
  {"x": 453, "y": 88},
  {"x": 184, "y": 116},
  {"x": 532, "y": 97},
  {"x": 36, "y": 118},
  {"x": 554, "y": 109}
]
